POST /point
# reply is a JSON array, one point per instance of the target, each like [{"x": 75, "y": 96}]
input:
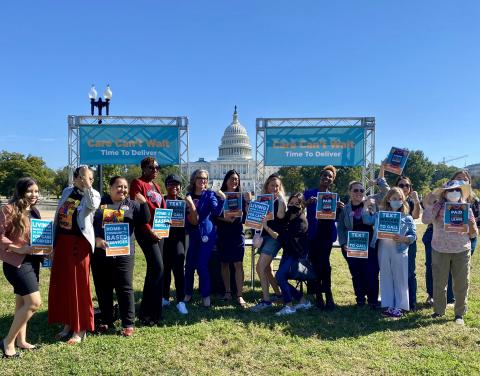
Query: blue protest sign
[{"x": 117, "y": 236}]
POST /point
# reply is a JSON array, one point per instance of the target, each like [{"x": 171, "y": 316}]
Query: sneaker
[
  {"x": 128, "y": 332},
  {"x": 182, "y": 308},
  {"x": 305, "y": 305},
  {"x": 429, "y": 301},
  {"x": 435, "y": 315},
  {"x": 459, "y": 320},
  {"x": 286, "y": 310},
  {"x": 165, "y": 302},
  {"x": 102, "y": 328},
  {"x": 261, "y": 305},
  {"x": 396, "y": 312},
  {"x": 387, "y": 312}
]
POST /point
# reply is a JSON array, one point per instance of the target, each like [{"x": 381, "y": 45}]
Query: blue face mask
[{"x": 396, "y": 204}]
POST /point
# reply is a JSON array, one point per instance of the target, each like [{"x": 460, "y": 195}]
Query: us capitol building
[{"x": 234, "y": 152}]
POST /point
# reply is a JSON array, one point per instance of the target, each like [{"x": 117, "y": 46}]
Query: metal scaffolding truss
[
  {"x": 367, "y": 123},
  {"x": 75, "y": 122}
]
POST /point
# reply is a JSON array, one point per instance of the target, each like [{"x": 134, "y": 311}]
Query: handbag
[
  {"x": 257, "y": 240},
  {"x": 302, "y": 270}
]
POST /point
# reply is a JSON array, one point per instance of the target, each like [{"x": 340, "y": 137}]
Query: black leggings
[
  {"x": 319, "y": 255},
  {"x": 174, "y": 260},
  {"x": 114, "y": 273},
  {"x": 151, "y": 305}
]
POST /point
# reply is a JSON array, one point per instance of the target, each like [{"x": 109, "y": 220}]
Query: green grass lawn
[{"x": 226, "y": 339}]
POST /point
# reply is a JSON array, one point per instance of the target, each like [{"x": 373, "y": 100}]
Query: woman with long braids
[{"x": 21, "y": 269}]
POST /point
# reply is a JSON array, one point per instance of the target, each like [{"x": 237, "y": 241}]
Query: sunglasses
[
  {"x": 151, "y": 168},
  {"x": 401, "y": 185},
  {"x": 455, "y": 190},
  {"x": 357, "y": 190},
  {"x": 199, "y": 178}
]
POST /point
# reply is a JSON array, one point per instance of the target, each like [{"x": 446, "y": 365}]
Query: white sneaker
[
  {"x": 459, "y": 320},
  {"x": 165, "y": 302},
  {"x": 304, "y": 305},
  {"x": 286, "y": 310},
  {"x": 182, "y": 308}
]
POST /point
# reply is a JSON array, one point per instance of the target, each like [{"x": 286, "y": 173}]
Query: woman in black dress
[
  {"x": 21, "y": 269},
  {"x": 231, "y": 239}
]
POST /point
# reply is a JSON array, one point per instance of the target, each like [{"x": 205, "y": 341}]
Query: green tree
[
  {"x": 292, "y": 179},
  {"x": 16, "y": 165},
  {"x": 60, "y": 180}
]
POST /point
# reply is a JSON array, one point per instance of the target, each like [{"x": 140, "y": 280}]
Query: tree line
[{"x": 425, "y": 175}]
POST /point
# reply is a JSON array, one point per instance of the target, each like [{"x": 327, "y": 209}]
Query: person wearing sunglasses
[
  {"x": 364, "y": 272},
  {"x": 151, "y": 245},
  {"x": 415, "y": 210},
  {"x": 322, "y": 233},
  {"x": 451, "y": 251},
  {"x": 202, "y": 234}
]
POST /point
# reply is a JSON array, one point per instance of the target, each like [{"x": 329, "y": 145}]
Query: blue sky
[{"x": 414, "y": 65}]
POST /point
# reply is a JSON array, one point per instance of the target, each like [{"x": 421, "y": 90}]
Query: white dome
[{"x": 235, "y": 142}]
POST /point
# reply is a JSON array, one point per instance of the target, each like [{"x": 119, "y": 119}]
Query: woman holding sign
[
  {"x": 453, "y": 227},
  {"x": 322, "y": 233},
  {"x": 270, "y": 246},
  {"x": 116, "y": 271},
  {"x": 174, "y": 246},
  {"x": 151, "y": 244},
  {"x": 364, "y": 269},
  {"x": 202, "y": 234},
  {"x": 21, "y": 269},
  {"x": 415, "y": 210},
  {"x": 231, "y": 238},
  {"x": 69, "y": 296},
  {"x": 393, "y": 249}
]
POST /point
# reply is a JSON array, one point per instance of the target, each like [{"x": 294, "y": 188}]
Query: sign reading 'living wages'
[
  {"x": 120, "y": 144},
  {"x": 41, "y": 236},
  {"x": 256, "y": 212},
  {"x": 314, "y": 146}
]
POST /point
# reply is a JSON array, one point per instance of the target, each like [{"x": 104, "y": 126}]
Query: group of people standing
[{"x": 80, "y": 246}]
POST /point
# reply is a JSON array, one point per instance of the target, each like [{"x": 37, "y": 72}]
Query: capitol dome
[{"x": 235, "y": 142}]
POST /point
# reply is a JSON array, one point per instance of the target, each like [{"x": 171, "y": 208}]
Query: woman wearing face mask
[
  {"x": 117, "y": 272},
  {"x": 231, "y": 240},
  {"x": 415, "y": 211},
  {"x": 364, "y": 271},
  {"x": 174, "y": 246},
  {"x": 21, "y": 269},
  {"x": 451, "y": 250},
  {"x": 270, "y": 246},
  {"x": 69, "y": 296},
  {"x": 202, "y": 234},
  {"x": 393, "y": 254},
  {"x": 322, "y": 233},
  {"x": 151, "y": 245},
  {"x": 294, "y": 241}
]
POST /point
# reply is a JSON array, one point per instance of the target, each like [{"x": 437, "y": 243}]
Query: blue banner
[
  {"x": 314, "y": 146},
  {"x": 128, "y": 144},
  {"x": 117, "y": 236},
  {"x": 41, "y": 236}
]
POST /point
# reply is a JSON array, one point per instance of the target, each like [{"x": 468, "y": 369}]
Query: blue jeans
[
  {"x": 198, "y": 257},
  {"x": 412, "y": 275},
  {"x": 427, "y": 241},
  {"x": 288, "y": 291}
]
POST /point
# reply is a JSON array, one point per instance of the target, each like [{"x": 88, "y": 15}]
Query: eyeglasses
[
  {"x": 151, "y": 168},
  {"x": 455, "y": 190},
  {"x": 401, "y": 185},
  {"x": 200, "y": 178},
  {"x": 357, "y": 190}
]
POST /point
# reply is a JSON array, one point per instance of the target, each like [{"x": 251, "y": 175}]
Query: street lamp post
[{"x": 100, "y": 104}]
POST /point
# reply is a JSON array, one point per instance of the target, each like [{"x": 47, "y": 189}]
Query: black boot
[
  {"x": 329, "y": 303},
  {"x": 320, "y": 302}
]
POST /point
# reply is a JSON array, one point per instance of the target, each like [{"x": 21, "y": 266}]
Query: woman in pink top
[{"x": 450, "y": 249}]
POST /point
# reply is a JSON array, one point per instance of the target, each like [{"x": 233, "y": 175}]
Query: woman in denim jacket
[{"x": 393, "y": 253}]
